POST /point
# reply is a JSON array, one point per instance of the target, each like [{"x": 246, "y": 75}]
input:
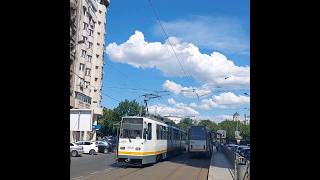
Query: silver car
[{"x": 75, "y": 150}]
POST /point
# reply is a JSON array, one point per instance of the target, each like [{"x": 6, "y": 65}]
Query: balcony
[
  {"x": 98, "y": 110},
  {"x": 81, "y": 105}
]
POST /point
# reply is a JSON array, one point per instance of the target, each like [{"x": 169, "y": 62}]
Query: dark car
[
  {"x": 104, "y": 147},
  {"x": 112, "y": 141},
  {"x": 245, "y": 152}
]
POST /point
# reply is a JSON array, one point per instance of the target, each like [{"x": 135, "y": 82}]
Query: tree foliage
[
  {"x": 111, "y": 117},
  {"x": 185, "y": 124}
]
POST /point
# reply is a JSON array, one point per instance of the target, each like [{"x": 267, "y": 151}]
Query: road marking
[
  {"x": 94, "y": 172},
  {"x": 77, "y": 177}
]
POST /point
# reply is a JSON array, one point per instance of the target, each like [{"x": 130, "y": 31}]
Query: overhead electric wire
[{"x": 167, "y": 37}]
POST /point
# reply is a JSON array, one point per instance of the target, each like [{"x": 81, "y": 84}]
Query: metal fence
[{"x": 241, "y": 170}]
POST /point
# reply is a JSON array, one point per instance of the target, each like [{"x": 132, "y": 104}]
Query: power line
[
  {"x": 167, "y": 37},
  {"x": 110, "y": 97}
]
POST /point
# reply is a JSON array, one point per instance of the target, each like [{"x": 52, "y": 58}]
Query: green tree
[
  {"x": 127, "y": 108},
  {"x": 231, "y": 126},
  {"x": 185, "y": 124},
  {"x": 209, "y": 124},
  {"x": 111, "y": 118}
]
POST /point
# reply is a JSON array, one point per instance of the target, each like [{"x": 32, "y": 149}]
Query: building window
[
  {"x": 86, "y": 84},
  {"x": 100, "y": 11},
  {"x": 85, "y": 26},
  {"x": 99, "y": 33},
  {"x": 83, "y": 97},
  {"x": 90, "y": 32},
  {"x": 89, "y": 58},
  {"x": 95, "y": 79},
  {"x": 81, "y": 68},
  {"x": 83, "y": 53},
  {"x": 98, "y": 44},
  {"x": 90, "y": 44},
  {"x": 94, "y": 101},
  {"x": 84, "y": 38},
  {"x": 97, "y": 55},
  {"x": 95, "y": 90},
  {"x": 84, "y": 10},
  {"x": 99, "y": 22},
  {"x": 97, "y": 67},
  {"x": 88, "y": 71}
]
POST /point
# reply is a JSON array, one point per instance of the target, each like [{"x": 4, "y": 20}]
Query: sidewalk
[{"x": 220, "y": 168}]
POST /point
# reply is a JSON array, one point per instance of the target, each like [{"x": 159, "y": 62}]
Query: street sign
[{"x": 221, "y": 134}]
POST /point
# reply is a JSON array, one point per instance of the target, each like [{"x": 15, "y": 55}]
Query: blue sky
[{"x": 147, "y": 63}]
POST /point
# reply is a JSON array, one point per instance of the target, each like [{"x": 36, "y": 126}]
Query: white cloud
[
  {"x": 190, "y": 92},
  {"x": 220, "y": 33},
  {"x": 220, "y": 118},
  {"x": 206, "y": 68},
  {"x": 171, "y": 101},
  {"x": 230, "y": 98},
  {"x": 194, "y": 105},
  {"x": 224, "y": 100},
  {"x": 177, "y": 109}
]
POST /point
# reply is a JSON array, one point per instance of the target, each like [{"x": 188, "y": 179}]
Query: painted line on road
[
  {"x": 77, "y": 177},
  {"x": 94, "y": 172},
  {"x": 109, "y": 169}
]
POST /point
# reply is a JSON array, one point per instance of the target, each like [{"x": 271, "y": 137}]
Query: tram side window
[
  {"x": 158, "y": 131},
  {"x": 149, "y": 131},
  {"x": 175, "y": 134},
  {"x": 164, "y": 133}
]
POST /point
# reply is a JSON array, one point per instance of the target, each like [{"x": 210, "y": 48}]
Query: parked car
[
  {"x": 230, "y": 146},
  {"x": 75, "y": 150},
  {"x": 245, "y": 152},
  {"x": 104, "y": 147},
  {"x": 239, "y": 148},
  {"x": 88, "y": 147},
  {"x": 112, "y": 143}
]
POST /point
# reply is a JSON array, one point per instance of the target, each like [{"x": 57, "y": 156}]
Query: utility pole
[
  {"x": 150, "y": 96},
  {"x": 147, "y": 97}
]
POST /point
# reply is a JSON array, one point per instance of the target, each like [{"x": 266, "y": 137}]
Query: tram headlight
[{"x": 138, "y": 148}]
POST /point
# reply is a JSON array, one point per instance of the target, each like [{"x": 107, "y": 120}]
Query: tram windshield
[
  {"x": 197, "y": 133},
  {"x": 131, "y": 128}
]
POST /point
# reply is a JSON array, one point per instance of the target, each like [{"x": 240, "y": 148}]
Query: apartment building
[{"x": 86, "y": 59}]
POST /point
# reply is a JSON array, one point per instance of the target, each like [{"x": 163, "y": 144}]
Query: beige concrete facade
[{"x": 86, "y": 68}]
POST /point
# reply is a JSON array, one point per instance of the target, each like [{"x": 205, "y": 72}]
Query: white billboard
[{"x": 81, "y": 119}]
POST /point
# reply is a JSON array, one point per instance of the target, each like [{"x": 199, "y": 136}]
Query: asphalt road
[
  {"x": 179, "y": 167},
  {"x": 90, "y": 164}
]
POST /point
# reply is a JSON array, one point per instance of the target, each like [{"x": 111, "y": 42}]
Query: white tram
[{"x": 144, "y": 140}]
